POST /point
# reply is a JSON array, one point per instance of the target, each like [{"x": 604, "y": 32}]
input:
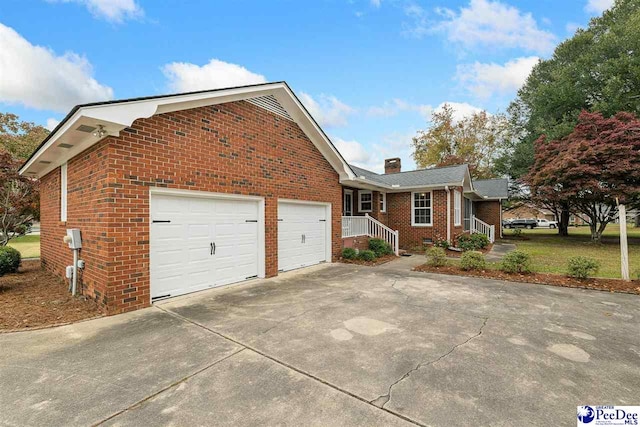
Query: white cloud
[
  {"x": 460, "y": 109},
  {"x": 52, "y": 123},
  {"x": 110, "y": 10},
  {"x": 185, "y": 77},
  {"x": 353, "y": 151},
  {"x": 328, "y": 110},
  {"x": 376, "y": 3},
  {"x": 418, "y": 25},
  {"x": 494, "y": 24},
  {"x": 598, "y": 6},
  {"x": 571, "y": 27},
  {"x": 485, "y": 80},
  {"x": 372, "y": 157},
  {"x": 35, "y": 77},
  {"x": 396, "y": 106}
]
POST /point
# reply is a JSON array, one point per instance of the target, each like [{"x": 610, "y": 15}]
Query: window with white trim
[
  {"x": 365, "y": 199},
  {"x": 383, "y": 202},
  {"x": 63, "y": 192},
  {"x": 457, "y": 208},
  {"x": 421, "y": 210}
]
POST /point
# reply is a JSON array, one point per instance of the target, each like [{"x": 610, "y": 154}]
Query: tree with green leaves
[
  {"x": 476, "y": 140},
  {"x": 20, "y": 138},
  {"x": 598, "y": 69}
]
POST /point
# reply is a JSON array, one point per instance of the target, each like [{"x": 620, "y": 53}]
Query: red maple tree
[
  {"x": 591, "y": 169},
  {"x": 19, "y": 199}
]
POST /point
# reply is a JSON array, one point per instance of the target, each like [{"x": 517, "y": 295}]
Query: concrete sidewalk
[{"x": 334, "y": 345}]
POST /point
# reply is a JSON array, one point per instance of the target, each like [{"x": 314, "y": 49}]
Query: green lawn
[
  {"x": 550, "y": 253},
  {"x": 29, "y": 246}
]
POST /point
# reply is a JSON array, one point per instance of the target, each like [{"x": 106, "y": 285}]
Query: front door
[
  {"x": 468, "y": 213},
  {"x": 348, "y": 203}
]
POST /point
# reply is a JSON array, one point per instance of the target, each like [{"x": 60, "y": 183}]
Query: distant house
[{"x": 528, "y": 211}]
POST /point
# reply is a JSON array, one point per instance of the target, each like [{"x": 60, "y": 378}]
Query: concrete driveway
[{"x": 334, "y": 345}]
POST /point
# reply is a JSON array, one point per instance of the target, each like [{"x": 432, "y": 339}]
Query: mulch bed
[
  {"x": 35, "y": 298},
  {"x": 610, "y": 285},
  {"x": 382, "y": 260}
]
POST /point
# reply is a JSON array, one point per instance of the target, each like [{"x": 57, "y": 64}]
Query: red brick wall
[
  {"x": 489, "y": 212},
  {"x": 231, "y": 148},
  {"x": 399, "y": 218},
  {"x": 88, "y": 207},
  {"x": 360, "y": 243}
]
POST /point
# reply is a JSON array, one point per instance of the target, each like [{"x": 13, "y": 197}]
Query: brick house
[{"x": 178, "y": 193}]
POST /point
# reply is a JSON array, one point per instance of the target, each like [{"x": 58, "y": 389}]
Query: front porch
[{"x": 355, "y": 227}]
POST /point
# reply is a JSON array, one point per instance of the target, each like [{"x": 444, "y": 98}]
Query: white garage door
[
  {"x": 302, "y": 235},
  {"x": 199, "y": 243}
]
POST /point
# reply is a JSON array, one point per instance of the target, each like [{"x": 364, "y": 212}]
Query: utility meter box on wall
[{"x": 73, "y": 238}]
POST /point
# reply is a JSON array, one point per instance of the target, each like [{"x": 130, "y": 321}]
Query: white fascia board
[
  {"x": 468, "y": 178},
  {"x": 370, "y": 185},
  {"x": 310, "y": 127},
  {"x": 481, "y": 198}
]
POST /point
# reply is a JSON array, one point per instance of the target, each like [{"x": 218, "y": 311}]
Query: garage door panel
[
  {"x": 295, "y": 221},
  {"x": 182, "y": 259}
]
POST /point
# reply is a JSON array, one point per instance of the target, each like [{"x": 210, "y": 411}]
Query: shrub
[
  {"x": 472, "y": 242},
  {"x": 380, "y": 247},
  {"x": 349, "y": 253},
  {"x": 473, "y": 260},
  {"x": 516, "y": 262},
  {"x": 517, "y": 232},
  {"x": 436, "y": 257},
  {"x": 582, "y": 267},
  {"x": 441, "y": 243},
  {"x": 367, "y": 255},
  {"x": 9, "y": 260}
]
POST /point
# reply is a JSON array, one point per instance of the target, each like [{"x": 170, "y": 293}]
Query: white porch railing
[
  {"x": 353, "y": 226},
  {"x": 478, "y": 226}
]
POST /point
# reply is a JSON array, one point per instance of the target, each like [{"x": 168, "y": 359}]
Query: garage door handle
[
  {"x": 212, "y": 247},
  {"x": 302, "y": 239}
]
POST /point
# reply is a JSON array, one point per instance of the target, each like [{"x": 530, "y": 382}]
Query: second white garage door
[
  {"x": 302, "y": 235},
  {"x": 199, "y": 242}
]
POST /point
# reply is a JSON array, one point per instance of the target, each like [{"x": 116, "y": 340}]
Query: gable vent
[
  {"x": 85, "y": 128},
  {"x": 270, "y": 103}
]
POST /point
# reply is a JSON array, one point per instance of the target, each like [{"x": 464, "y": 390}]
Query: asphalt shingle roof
[
  {"x": 492, "y": 188},
  {"x": 426, "y": 177}
]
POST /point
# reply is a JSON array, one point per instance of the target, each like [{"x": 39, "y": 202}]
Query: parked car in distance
[
  {"x": 522, "y": 223},
  {"x": 505, "y": 222},
  {"x": 545, "y": 223}
]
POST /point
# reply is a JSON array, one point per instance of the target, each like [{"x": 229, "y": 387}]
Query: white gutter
[{"x": 395, "y": 187}]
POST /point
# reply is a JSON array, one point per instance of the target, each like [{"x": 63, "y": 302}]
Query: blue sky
[{"x": 370, "y": 71}]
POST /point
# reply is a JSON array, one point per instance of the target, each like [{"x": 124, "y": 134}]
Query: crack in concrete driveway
[{"x": 382, "y": 400}]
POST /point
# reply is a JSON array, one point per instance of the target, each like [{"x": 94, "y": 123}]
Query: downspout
[
  {"x": 446, "y": 188},
  {"x": 500, "y": 202}
]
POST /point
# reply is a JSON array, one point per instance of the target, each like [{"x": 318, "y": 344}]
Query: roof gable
[{"x": 75, "y": 133}]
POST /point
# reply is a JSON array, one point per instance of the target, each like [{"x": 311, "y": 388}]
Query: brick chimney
[{"x": 392, "y": 165}]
